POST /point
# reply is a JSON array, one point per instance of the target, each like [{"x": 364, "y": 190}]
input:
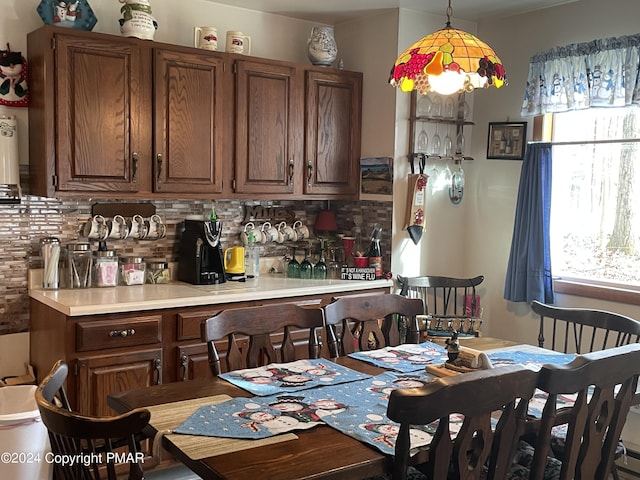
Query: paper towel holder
[{"x": 10, "y": 191}]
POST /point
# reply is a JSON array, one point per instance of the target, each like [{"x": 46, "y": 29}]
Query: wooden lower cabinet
[
  {"x": 99, "y": 376},
  {"x": 112, "y": 353}
]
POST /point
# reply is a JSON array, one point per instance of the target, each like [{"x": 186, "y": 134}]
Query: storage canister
[
  {"x": 158, "y": 272},
  {"x": 132, "y": 271},
  {"x": 105, "y": 269},
  {"x": 79, "y": 259}
]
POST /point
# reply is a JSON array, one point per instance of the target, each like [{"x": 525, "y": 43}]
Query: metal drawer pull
[{"x": 127, "y": 332}]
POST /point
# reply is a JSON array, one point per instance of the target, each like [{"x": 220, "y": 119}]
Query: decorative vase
[
  {"x": 322, "y": 46},
  {"x": 137, "y": 20}
]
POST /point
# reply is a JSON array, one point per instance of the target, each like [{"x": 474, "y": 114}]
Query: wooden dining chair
[
  {"x": 604, "y": 384},
  {"x": 453, "y": 303},
  {"x": 261, "y": 325},
  {"x": 369, "y": 322},
  {"x": 501, "y": 393},
  {"x": 90, "y": 440},
  {"x": 581, "y": 330}
]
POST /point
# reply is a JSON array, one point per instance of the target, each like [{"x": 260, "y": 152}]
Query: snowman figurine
[{"x": 137, "y": 20}]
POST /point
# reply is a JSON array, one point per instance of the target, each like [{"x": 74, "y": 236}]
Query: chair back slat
[
  {"x": 604, "y": 383},
  {"x": 260, "y": 325},
  {"x": 581, "y": 330},
  {"x": 370, "y": 321},
  {"x": 445, "y": 298},
  {"x": 93, "y": 439},
  {"x": 506, "y": 390}
]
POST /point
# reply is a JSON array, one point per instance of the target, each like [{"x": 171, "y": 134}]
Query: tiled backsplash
[{"x": 22, "y": 226}]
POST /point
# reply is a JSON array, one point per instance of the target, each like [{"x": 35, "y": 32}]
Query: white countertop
[{"x": 94, "y": 301}]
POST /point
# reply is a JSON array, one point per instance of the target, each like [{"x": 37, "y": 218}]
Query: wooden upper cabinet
[
  {"x": 98, "y": 114},
  {"x": 268, "y": 139},
  {"x": 332, "y": 137},
  {"x": 188, "y": 122}
]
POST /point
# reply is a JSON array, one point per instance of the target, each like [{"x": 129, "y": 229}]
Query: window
[{"x": 595, "y": 213}]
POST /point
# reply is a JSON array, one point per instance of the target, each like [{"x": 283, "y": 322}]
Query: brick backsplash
[{"x": 23, "y": 225}]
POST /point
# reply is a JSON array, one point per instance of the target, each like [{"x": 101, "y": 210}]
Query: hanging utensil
[{"x": 417, "y": 183}]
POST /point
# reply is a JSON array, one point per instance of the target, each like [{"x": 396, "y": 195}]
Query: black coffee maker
[{"x": 201, "y": 257}]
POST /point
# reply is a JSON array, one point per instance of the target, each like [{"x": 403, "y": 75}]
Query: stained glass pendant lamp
[{"x": 446, "y": 62}]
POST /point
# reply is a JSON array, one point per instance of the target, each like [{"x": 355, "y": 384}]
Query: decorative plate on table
[{"x": 67, "y": 13}]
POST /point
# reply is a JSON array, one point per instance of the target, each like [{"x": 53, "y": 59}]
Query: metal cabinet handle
[
  {"x": 134, "y": 176},
  {"x": 291, "y": 165},
  {"x": 127, "y": 332},
  {"x": 159, "y": 165},
  {"x": 309, "y": 173},
  {"x": 184, "y": 362},
  {"x": 157, "y": 364}
]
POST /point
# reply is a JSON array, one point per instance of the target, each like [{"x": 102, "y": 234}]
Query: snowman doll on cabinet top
[{"x": 137, "y": 20}]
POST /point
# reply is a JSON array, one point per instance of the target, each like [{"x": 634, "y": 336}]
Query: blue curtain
[{"x": 529, "y": 268}]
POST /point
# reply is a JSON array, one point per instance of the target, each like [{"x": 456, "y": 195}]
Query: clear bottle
[
  {"x": 306, "y": 268},
  {"x": 252, "y": 256}
]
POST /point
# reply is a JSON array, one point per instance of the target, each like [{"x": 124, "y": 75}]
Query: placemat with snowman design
[
  {"x": 357, "y": 408},
  {"x": 278, "y": 378},
  {"x": 404, "y": 358}
]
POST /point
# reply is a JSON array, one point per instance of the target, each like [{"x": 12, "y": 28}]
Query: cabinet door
[
  {"x": 268, "y": 128},
  {"x": 99, "y": 89},
  {"x": 188, "y": 122},
  {"x": 332, "y": 141},
  {"x": 101, "y": 375}
]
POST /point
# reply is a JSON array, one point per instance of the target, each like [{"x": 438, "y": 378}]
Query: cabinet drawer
[
  {"x": 189, "y": 324},
  {"x": 126, "y": 332}
]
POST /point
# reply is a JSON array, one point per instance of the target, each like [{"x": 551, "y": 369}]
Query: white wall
[{"x": 493, "y": 184}]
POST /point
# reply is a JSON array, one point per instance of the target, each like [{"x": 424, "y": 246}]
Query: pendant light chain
[{"x": 449, "y": 14}]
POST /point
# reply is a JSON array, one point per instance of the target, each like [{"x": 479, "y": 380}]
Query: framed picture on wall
[{"x": 507, "y": 140}]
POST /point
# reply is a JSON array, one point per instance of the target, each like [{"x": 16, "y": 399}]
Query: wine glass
[
  {"x": 460, "y": 142},
  {"x": 448, "y": 108},
  {"x": 436, "y": 107},
  {"x": 293, "y": 267},
  {"x": 424, "y": 106},
  {"x": 435, "y": 143},
  {"x": 320, "y": 270},
  {"x": 306, "y": 267},
  {"x": 423, "y": 141},
  {"x": 447, "y": 145}
]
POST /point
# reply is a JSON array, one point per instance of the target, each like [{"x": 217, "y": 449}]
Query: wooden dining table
[{"x": 320, "y": 453}]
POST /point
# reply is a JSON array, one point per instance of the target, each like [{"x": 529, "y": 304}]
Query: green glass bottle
[{"x": 306, "y": 268}]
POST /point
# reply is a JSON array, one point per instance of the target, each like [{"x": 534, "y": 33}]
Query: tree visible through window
[{"x": 595, "y": 213}]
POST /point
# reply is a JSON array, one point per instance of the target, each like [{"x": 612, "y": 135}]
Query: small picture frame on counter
[{"x": 506, "y": 140}]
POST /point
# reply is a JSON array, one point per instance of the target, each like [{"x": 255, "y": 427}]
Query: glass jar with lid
[
  {"x": 79, "y": 260},
  {"x": 158, "y": 271},
  {"x": 105, "y": 269},
  {"x": 132, "y": 271}
]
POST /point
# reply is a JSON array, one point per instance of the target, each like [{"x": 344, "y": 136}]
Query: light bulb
[{"x": 447, "y": 82}]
